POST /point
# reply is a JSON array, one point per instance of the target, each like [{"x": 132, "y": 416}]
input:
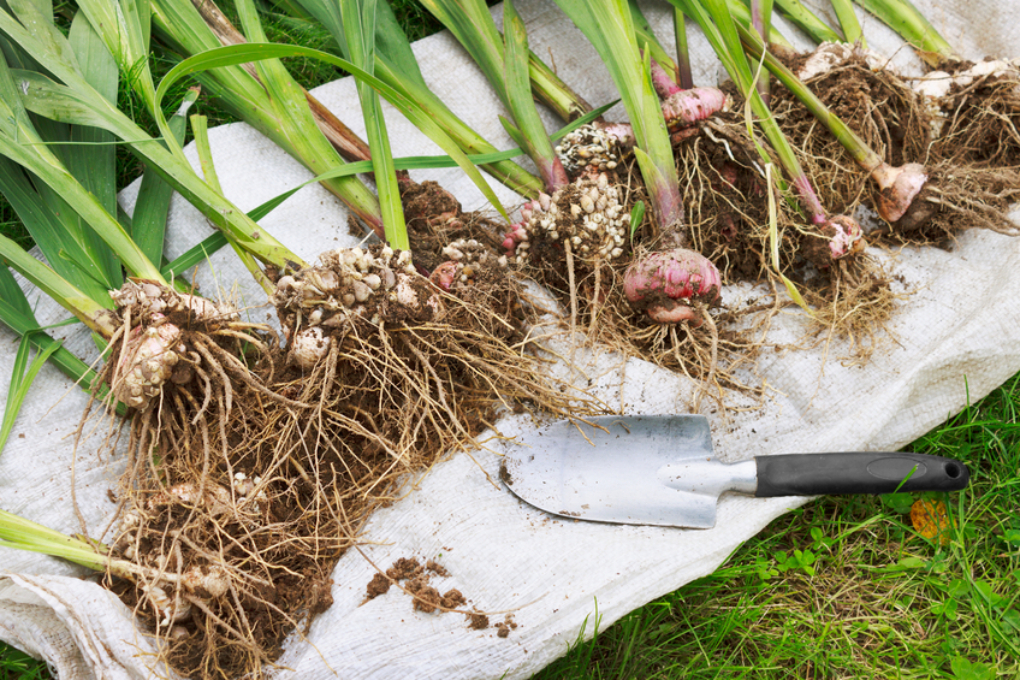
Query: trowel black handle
[{"x": 816, "y": 474}]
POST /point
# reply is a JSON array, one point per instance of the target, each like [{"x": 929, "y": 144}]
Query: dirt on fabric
[
  {"x": 252, "y": 474},
  {"x": 414, "y": 579},
  {"x": 250, "y": 477}
]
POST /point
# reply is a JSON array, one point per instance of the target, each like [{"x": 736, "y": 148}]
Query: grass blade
[{"x": 22, "y": 377}]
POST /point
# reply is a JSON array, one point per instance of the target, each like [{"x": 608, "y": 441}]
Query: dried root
[
  {"x": 873, "y": 101},
  {"x": 976, "y": 113},
  {"x": 248, "y": 479}
]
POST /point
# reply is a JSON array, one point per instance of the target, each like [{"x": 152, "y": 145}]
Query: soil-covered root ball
[
  {"x": 858, "y": 87},
  {"x": 476, "y": 274},
  {"x": 350, "y": 287},
  {"x": 155, "y": 348},
  {"x": 435, "y": 219},
  {"x": 962, "y": 196},
  {"x": 588, "y": 217}
]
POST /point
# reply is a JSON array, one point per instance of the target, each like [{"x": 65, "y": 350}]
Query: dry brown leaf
[{"x": 931, "y": 519}]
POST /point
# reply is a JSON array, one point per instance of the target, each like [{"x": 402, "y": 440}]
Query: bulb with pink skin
[
  {"x": 445, "y": 274},
  {"x": 846, "y": 238},
  {"x": 683, "y": 108},
  {"x": 518, "y": 232},
  {"x": 669, "y": 284},
  {"x": 899, "y": 187}
]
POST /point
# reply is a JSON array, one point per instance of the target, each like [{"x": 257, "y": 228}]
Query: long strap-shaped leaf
[
  {"x": 20, "y": 144},
  {"x": 396, "y": 66},
  {"x": 16, "y": 314},
  {"x": 89, "y": 311},
  {"x": 124, "y": 26},
  {"x": 359, "y": 18},
  {"x": 472, "y": 25},
  {"x": 236, "y": 54},
  {"x": 808, "y": 21},
  {"x": 904, "y": 18},
  {"x": 266, "y": 97},
  {"x": 518, "y": 93},
  {"x": 148, "y": 222},
  {"x": 67, "y": 241},
  {"x": 78, "y": 102}
]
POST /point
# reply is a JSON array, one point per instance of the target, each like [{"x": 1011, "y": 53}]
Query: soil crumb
[
  {"x": 379, "y": 585},
  {"x": 436, "y": 568},
  {"x": 503, "y": 629},
  {"x": 477, "y": 620},
  {"x": 405, "y": 568},
  {"x": 425, "y": 597}
]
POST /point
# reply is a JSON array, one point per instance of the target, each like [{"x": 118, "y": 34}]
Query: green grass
[
  {"x": 840, "y": 588},
  {"x": 845, "y": 588},
  {"x": 16, "y": 665}
]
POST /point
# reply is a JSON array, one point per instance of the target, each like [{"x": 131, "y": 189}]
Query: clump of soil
[
  {"x": 435, "y": 219},
  {"x": 503, "y": 628},
  {"x": 415, "y": 579},
  {"x": 477, "y": 620}
]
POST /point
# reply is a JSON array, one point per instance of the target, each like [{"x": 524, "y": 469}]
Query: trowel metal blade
[{"x": 614, "y": 470}]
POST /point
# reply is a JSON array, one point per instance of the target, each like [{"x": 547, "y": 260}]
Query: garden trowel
[{"x": 660, "y": 470}]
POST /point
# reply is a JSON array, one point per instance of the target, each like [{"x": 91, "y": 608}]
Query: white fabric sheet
[{"x": 957, "y": 337}]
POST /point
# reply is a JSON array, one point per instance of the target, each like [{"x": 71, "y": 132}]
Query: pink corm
[
  {"x": 445, "y": 274},
  {"x": 683, "y": 108},
  {"x": 899, "y": 187},
  {"x": 846, "y": 237},
  {"x": 518, "y": 231},
  {"x": 668, "y": 284}
]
